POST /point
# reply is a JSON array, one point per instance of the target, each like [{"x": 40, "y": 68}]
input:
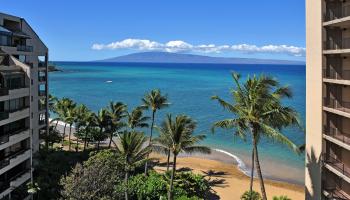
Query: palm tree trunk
[
  {"x": 98, "y": 145},
  {"x": 110, "y": 140},
  {"x": 167, "y": 162},
  {"x": 252, "y": 173},
  {"x": 56, "y": 124},
  {"x": 64, "y": 133},
  {"x": 77, "y": 144},
  {"x": 126, "y": 185},
  {"x": 150, "y": 141},
  {"x": 258, "y": 169},
  {"x": 170, "y": 192},
  {"x": 85, "y": 138},
  {"x": 70, "y": 133}
]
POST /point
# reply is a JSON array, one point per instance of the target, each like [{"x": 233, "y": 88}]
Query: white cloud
[{"x": 182, "y": 46}]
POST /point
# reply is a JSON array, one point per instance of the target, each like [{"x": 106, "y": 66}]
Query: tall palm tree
[
  {"x": 163, "y": 144},
  {"x": 69, "y": 119},
  {"x": 102, "y": 120},
  {"x": 181, "y": 132},
  {"x": 257, "y": 109},
  {"x": 62, "y": 108},
  {"x": 80, "y": 116},
  {"x": 90, "y": 123},
  {"x": 154, "y": 101},
  {"x": 131, "y": 149},
  {"x": 136, "y": 119},
  {"x": 117, "y": 112}
]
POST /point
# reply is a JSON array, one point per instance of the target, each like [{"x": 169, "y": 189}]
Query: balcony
[
  {"x": 25, "y": 48},
  {"x": 15, "y": 158},
  {"x": 42, "y": 64},
  {"x": 339, "y": 12},
  {"x": 42, "y": 93},
  {"x": 42, "y": 78},
  {"x": 4, "y": 92},
  {"x": 338, "y": 165},
  {"x": 20, "y": 178},
  {"x": 4, "y": 115},
  {"x": 6, "y": 136},
  {"x": 334, "y": 74},
  {"x": 337, "y": 134},
  {"x": 338, "y": 105},
  {"x": 343, "y": 43},
  {"x": 335, "y": 193}
]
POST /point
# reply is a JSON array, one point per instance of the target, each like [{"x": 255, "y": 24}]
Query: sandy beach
[{"x": 233, "y": 182}]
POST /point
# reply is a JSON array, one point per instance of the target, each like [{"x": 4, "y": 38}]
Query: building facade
[
  {"x": 327, "y": 174},
  {"x": 23, "y": 103}
]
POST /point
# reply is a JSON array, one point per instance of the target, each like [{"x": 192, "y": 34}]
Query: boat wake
[{"x": 242, "y": 167}]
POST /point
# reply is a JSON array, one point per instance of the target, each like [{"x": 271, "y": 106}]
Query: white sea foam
[{"x": 240, "y": 163}]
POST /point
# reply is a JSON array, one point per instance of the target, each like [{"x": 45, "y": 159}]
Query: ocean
[{"x": 189, "y": 88}]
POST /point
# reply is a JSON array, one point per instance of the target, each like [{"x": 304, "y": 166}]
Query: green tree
[
  {"x": 257, "y": 108},
  {"x": 154, "y": 101},
  {"x": 80, "y": 118},
  {"x": 132, "y": 151},
  {"x": 102, "y": 120},
  {"x": 136, "y": 119},
  {"x": 251, "y": 195},
  {"x": 95, "y": 179},
  {"x": 281, "y": 198},
  {"x": 117, "y": 112},
  {"x": 163, "y": 143},
  {"x": 181, "y": 132}
]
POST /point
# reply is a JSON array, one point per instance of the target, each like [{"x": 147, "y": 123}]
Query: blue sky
[{"x": 271, "y": 29}]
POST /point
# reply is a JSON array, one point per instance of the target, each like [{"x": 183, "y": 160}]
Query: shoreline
[
  {"x": 232, "y": 182},
  {"x": 218, "y": 155}
]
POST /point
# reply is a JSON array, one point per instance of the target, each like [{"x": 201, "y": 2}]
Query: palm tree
[
  {"x": 61, "y": 108},
  {"x": 90, "y": 123},
  {"x": 133, "y": 152},
  {"x": 69, "y": 119},
  {"x": 136, "y": 119},
  {"x": 102, "y": 119},
  {"x": 154, "y": 101},
  {"x": 163, "y": 144},
  {"x": 117, "y": 112},
  {"x": 257, "y": 109},
  {"x": 180, "y": 133},
  {"x": 81, "y": 115}
]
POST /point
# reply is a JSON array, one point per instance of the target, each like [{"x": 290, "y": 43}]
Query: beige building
[
  {"x": 328, "y": 99},
  {"x": 23, "y": 103}
]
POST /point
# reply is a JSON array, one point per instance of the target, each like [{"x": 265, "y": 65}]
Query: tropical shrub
[
  {"x": 95, "y": 179},
  {"x": 188, "y": 186},
  {"x": 251, "y": 196},
  {"x": 281, "y": 198}
]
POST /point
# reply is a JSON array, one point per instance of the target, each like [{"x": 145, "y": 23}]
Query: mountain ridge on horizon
[{"x": 166, "y": 57}]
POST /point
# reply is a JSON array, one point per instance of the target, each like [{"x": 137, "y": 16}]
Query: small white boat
[{"x": 109, "y": 81}]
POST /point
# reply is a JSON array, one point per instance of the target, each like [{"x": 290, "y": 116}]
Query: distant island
[{"x": 165, "y": 57}]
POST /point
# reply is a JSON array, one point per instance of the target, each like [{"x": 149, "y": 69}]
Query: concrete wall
[{"x": 313, "y": 98}]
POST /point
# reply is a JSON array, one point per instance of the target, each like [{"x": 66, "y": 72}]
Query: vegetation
[
  {"x": 154, "y": 101},
  {"x": 257, "y": 109},
  {"x": 281, "y": 198},
  {"x": 95, "y": 179},
  {"x": 251, "y": 195}
]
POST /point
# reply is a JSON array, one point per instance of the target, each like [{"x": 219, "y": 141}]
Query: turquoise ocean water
[{"x": 189, "y": 88}]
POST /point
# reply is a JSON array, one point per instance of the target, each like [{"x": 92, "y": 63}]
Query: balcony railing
[
  {"x": 6, "y": 161},
  {"x": 42, "y": 78},
  {"x": 336, "y": 193},
  {"x": 42, "y": 122},
  {"x": 337, "y": 134},
  {"x": 343, "y": 11},
  {"x": 4, "y": 92},
  {"x": 5, "y": 137},
  {"x": 333, "y": 74},
  {"x": 337, "y": 104},
  {"x": 336, "y": 164},
  {"x": 24, "y": 48},
  {"x": 344, "y": 43},
  {"x": 42, "y": 64},
  {"x": 19, "y": 174},
  {"x": 4, "y": 115},
  {"x": 42, "y": 93}
]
